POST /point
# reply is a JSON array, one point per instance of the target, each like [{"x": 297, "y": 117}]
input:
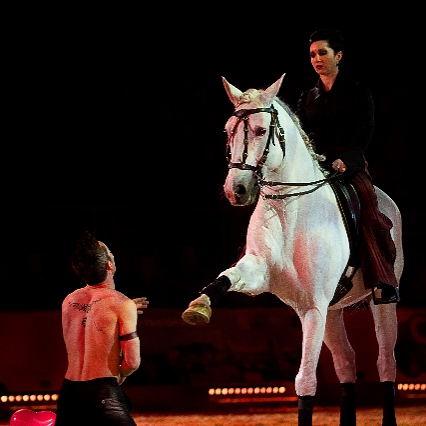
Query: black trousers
[{"x": 93, "y": 402}]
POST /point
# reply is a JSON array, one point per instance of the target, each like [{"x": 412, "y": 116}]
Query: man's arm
[{"x": 129, "y": 341}]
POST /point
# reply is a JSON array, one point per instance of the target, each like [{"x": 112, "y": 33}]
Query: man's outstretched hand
[{"x": 141, "y": 303}]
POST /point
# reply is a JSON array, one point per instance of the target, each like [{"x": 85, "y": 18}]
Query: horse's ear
[
  {"x": 269, "y": 94},
  {"x": 232, "y": 92}
]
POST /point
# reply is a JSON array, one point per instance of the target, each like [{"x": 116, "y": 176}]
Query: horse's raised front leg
[
  {"x": 386, "y": 326},
  {"x": 337, "y": 342},
  {"x": 247, "y": 276},
  {"x": 199, "y": 310}
]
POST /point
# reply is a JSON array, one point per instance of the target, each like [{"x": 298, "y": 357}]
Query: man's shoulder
[
  {"x": 118, "y": 299},
  {"x": 119, "y": 295},
  {"x": 72, "y": 295},
  {"x": 82, "y": 295}
]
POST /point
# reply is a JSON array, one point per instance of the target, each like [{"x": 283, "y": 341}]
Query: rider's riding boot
[{"x": 390, "y": 294}]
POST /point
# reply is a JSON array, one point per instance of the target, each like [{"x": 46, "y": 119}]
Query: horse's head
[{"x": 252, "y": 131}]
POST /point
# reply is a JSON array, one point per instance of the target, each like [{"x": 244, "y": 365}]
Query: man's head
[{"x": 92, "y": 259}]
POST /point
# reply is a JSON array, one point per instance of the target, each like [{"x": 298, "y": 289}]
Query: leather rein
[{"x": 274, "y": 127}]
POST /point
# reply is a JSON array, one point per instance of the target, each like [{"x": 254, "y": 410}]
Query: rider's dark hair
[
  {"x": 332, "y": 35},
  {"x": 89, "y": 259}
]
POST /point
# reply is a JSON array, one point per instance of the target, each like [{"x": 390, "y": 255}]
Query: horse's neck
[{"x": 297, "y": 165}]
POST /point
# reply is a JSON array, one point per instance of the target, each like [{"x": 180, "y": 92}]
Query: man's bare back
[{"x": 93, "y": 318}]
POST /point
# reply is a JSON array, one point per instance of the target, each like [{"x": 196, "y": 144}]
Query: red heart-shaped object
[{"x": 27, "y": 417}]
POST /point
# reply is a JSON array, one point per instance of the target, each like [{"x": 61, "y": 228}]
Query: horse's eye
[{"x": 260, "y": 131}]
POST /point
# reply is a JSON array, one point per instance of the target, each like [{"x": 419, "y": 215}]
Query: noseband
[{"x": 243, "y": 115}]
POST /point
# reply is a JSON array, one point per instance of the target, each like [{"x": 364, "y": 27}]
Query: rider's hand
[{"x": 339, "y": 165}]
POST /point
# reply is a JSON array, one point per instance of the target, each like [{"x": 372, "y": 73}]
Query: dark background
[{"x": 113, "y": 122}]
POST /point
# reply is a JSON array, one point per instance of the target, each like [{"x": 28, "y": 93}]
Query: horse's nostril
[{"x": 240, "y": 190}]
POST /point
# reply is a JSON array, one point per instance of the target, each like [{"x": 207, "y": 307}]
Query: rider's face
[{"x": 323, "y": 58}]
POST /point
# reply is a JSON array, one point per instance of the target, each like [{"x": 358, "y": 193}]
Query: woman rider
[{"x": 338, "y": 116}]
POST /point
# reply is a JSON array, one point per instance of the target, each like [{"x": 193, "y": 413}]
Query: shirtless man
[{"x": 100, "y": 331}]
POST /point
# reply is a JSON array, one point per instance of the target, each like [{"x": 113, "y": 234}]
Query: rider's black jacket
[{"x": 339, "y": 122}]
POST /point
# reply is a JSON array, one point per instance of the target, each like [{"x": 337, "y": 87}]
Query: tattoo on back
[{"x": 85, "y": 307}]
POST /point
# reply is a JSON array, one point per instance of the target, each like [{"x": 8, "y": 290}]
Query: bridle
[
  {"x": 274, "y": 128},
  {"x": 243, "y": 115}
]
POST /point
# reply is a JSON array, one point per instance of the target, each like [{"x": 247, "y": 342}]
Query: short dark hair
[
  {"x": 332, "y": 35},
  {"x": 89, "y": 259}
]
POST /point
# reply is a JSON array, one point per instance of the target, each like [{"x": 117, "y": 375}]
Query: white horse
[{"x": 297, "y": 246}]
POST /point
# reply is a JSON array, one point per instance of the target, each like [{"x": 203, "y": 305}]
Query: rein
[
  {"x": 319, "y": 183},
  {"x": 243, "y": 115}
]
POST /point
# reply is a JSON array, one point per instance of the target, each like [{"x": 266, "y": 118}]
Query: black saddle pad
[{"x": 350, "y": 208}]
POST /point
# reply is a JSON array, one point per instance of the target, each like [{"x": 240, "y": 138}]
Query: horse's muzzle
[{"x": 243, "y": 196}]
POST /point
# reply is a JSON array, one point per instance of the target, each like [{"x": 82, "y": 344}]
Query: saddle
[{"x": 350, "y": 208}]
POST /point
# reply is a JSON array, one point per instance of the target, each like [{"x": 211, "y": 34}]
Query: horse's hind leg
[
  {"x": 336, "y": 340},
  {"x": 386, "y": 325}
]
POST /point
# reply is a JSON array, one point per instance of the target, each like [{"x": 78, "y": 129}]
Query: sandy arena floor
[{"x": 323, "y": 416}]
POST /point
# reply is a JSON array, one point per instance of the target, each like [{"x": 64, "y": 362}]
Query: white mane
[
  {"x": 253, "y": 95},
  {"x": 316, "y": 157}
]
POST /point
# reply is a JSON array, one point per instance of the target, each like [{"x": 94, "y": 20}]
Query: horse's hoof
[{"x": 198, "y": 312}]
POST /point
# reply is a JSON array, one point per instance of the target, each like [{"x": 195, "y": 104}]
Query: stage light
[
  {"x": 412, "y": 390},
  {"x": 251, "y": 394},
  {"x": 38, "y": 402}
]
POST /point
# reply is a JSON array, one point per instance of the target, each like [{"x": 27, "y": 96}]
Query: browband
[{"x": 129, "y": 336}]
